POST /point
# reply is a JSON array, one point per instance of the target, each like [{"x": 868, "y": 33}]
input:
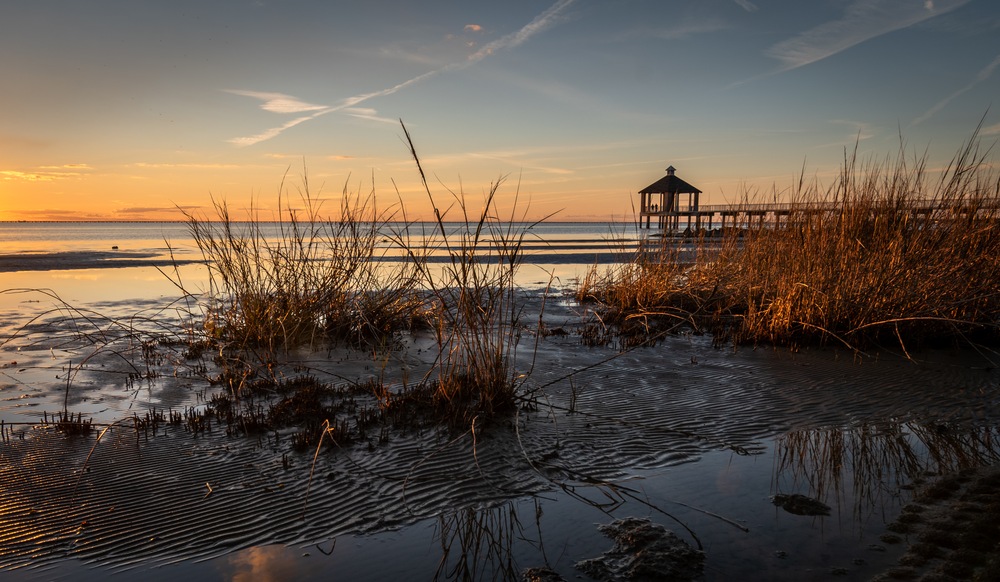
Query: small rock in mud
[
  {"x": 800, "y": 504},
  {"x": 644, "y": 551},
  {"x": 541, "y": 575}
]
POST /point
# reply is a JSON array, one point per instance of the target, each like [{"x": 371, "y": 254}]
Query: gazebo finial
[{"x": 671, "y": 170}]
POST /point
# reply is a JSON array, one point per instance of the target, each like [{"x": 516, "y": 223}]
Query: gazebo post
[{"x": 670, "y": 188}]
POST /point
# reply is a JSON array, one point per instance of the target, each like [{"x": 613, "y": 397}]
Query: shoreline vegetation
[
  {"x": 324, "y": 281},
  {"x": 876, "y": 268},
  {"x": 867, "y": 271},
  {"x": 870, "y": 272}
]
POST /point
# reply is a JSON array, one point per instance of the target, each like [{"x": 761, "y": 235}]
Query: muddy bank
[
  {"x": 705, "y": 436},
  {"x": 950, "y": 530},
  {"x": 112, "y": 259}
]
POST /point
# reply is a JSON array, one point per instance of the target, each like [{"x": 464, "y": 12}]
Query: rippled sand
[{"x": 694, "y": 437}]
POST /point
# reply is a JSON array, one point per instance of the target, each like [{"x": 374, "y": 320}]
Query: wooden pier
[
  {"x": 740, "y": 216},
  {"x": 671, "y": 203}
]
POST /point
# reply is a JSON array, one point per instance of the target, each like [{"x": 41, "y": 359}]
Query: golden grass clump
[
  {"x": 298, "y": 279},
  {"x": 882, "y": 253},
  {"x": 301, "y": 277},
  {"x": 474, "y": 296},
  {"x": 648, "y": 295},
  {"x": 888, "y": 256}
]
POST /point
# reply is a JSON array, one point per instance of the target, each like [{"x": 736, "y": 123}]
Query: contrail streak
[{"x": 280, "y": 103}]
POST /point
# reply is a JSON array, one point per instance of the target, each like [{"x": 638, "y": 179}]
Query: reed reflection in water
[
  {"x": 875, "y": 460},
  {"x": 479, "y": 543}
]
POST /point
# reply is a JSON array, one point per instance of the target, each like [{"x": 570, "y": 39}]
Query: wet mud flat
[
  {"x": 81, "y": 260},
  {"x": 950, "y": 530},
  {"x": 697, "y": 440}
]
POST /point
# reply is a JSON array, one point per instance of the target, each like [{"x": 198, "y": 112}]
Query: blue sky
[{"x": 128, "y": 109}]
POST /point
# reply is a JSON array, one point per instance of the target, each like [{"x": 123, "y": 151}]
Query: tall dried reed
[
  {"x": 891, "y": 254},
  {"x": 474, "y": 293},
  {"x": 886, "y": 252},
  {"x": 298, "y": 277},
  {"x": 363, "y": 276},
  {"x": 649, "y": 293}
]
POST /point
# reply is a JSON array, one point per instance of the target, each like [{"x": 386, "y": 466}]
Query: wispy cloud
[
  {"x": 299, "y": 157},
  {"x": 142, "y": 210},
  {"x": 539, "y": 24},
  {"x": 473, "y": 28},
  {"x": 859, "y": 132},
  {"x": 369, "y": 114},
  {"x": 688, "y": 29},
  {"x": 281, "y": 103},
  {"x": 278, "y": 102},
  {"x": 991, "y": 130},
  {"x": 190, "y": 166},
  {"x": 747, "y": 5},
  {"x": 513, "y": 160},
  {"x": 72, "y": 167},
  {"x": 45, "y": 173},
  {"x": 863, "y": 20},
  {"x": 55, "y": 215},
  {"x": 983, "y": 75},
  {"x": 17, "y": 175},
  {"x": 555, "y": 160},
  {"x": 276, "y": 131}
]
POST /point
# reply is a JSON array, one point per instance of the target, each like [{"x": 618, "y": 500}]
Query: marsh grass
[
  {"x": 879, "y": 264},
  {"x": 645, "y": 296},
  {"x": 474, "y": 295},
  {"x": 314, "y": 280},
  {"x": 71, "y": 425},
  {"x": 299, "y": 279},
  {"x": 885, "y": 254}
]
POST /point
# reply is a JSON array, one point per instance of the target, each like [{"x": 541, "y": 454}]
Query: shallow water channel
[{"x": 697, "y": 439}]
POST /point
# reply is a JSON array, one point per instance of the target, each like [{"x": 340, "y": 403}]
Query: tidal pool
[{"x": 695, "y": 438}]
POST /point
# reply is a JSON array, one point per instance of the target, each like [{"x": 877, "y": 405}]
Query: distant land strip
[
  {"x": 79, "y": 260},
  {"x": 60, "y": 261}
]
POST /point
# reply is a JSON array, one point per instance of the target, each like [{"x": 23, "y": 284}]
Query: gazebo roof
[{"x": 670, "y": 184}]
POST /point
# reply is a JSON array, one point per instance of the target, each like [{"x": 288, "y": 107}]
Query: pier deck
[{"x": 724, "y": 216}]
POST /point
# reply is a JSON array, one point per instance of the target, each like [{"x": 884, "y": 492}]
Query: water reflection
[
  {"x": 479, "y": 544},
  {"x": 870, "y": 462},
  {"x": 263, "y": 564}
]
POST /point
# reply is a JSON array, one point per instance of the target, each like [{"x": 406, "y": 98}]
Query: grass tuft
[
  {"x": 885, "y": 254},
  {"x": 302, "y": 278},
  {"x": 475, "y": 300}
]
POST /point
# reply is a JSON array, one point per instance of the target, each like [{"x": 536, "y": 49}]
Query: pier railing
[{"x": 774, "y": 212}]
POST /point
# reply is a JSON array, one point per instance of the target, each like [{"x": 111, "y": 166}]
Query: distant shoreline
[
  {"x": 431, "y": 221},
  {"x": 72, "y": 260},
  {"x": 83, "y": 260}
]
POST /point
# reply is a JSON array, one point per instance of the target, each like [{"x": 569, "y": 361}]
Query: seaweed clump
[{"x": 644, "y": 551}]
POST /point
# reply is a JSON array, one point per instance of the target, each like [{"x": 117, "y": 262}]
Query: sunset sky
[{"x": 129, "y": 109}]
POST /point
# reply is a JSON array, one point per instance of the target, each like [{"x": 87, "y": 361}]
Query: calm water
[
  {"x": 17, "y": 237},
  {"x": 120, "y": 261},
  {"x": 693, "y": 437}
]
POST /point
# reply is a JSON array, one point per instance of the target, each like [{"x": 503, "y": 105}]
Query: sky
[{"x": 141, "y": 109}]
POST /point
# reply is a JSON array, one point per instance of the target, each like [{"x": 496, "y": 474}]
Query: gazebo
[{"x": 668, "y": 207}]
